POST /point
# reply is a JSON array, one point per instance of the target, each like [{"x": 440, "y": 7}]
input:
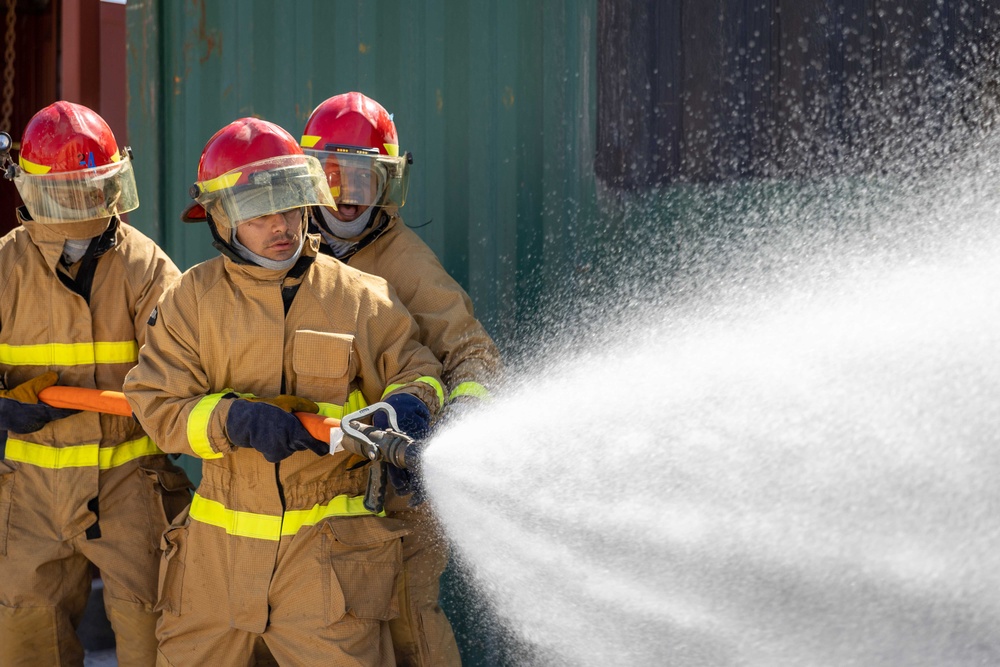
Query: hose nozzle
[{"x": 381, "y": 447}]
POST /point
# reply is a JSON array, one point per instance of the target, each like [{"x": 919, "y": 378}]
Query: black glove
[
  {"x": 20, "y": 410},
  {"x": 270, "y": 430},
  {"x": 414, "y": 420}
]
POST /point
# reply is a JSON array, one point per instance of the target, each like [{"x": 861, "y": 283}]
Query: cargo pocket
[
  {"x": 170, "y": 585},
  {"x": 324, "y": 365},
  {"x": 171, "y": 493},
  {"x": 6, "y": 493},
  {"x": 366, "y": 557}
]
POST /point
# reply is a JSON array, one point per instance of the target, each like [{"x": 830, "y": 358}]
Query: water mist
[{"x": 798, "y": 467}]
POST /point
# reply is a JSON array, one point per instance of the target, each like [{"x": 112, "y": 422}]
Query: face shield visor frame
[
  {"x": 357, "y": 177},
  {"x": 79, "y": 196},
  {"x": 262, "y": 188}
]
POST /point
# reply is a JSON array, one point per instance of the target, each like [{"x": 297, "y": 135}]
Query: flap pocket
[
  {"x": 171, "y": 478},
  {"x": 6, "y": 467},
  {"x": 365, "y": 531},
  {"x": 321, "y": 354},
  {"x": 170, "y": 585},
  {"x": 172, "y": 488},
  {"x": 366, "y": 557}
]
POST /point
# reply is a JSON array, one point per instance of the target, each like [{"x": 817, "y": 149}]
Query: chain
[{"x": 7, "y": 109}]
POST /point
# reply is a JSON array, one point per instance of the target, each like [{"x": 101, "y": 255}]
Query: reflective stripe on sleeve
[
  {"x": 269, "y": 526},
  {"x": 469, "y": 389},
  {"x": 197, "y": 426},
  {"x": 426, "y": 379},
  {"x": 355, "y": 402},
  {"x": 70, "y": 354},
  {"x": 79, "y": 456}
]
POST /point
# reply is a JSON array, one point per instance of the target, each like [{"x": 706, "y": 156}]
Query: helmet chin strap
[
  {"x": 74, "y": 250},
  {"x": 337, "y": 233},
  {"x": 346, "y": 230},
  {"x": 254, "y": 258}
]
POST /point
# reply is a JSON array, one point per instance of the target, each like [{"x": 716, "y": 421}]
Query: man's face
[
  {"x": 275, "y": 236},
  {"x": 351, "y": 185}
]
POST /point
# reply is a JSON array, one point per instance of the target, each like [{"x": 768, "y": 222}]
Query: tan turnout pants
[
  {"x": 45, "y": 575},
  {"x": 325, "y": 599},
  {"x": 421, "y": 634}
]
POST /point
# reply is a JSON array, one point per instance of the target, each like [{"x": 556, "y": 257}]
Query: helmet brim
[{"x": 195, "y": 212}]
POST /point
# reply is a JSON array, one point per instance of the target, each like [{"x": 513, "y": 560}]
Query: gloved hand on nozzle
[{"x": 414, "y": 420}]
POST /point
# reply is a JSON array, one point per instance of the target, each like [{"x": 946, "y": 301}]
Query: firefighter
[
  {"x": 78, "y": 284},
  {"x": 277, "y": 546},
  {"x": 355, "y": 139}
]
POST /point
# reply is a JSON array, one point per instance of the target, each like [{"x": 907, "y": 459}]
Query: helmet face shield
[
  {"x": 359, "y": 178},
  {"x": 262, "y": 188},
  {"x": 77, "y": 196}
]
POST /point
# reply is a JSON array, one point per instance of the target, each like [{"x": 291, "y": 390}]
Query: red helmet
[
  {"x": 70, "y": 168},
  {"x": 351, "y": 120},
  {"x": 355, "y": 139},
  {"x": 252, "y": 168}
]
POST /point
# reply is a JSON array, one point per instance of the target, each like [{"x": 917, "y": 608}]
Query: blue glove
[
  {"x": 270, "y": 430},
  {"x": 20, "y": 410},
  {"x": 413, "y": 416},
  {"x": 28, "y": 417},
  {"x": 414, "y": 420}
]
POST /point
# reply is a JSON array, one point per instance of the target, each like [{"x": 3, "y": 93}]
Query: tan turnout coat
[
  {"x": 471, "y": 365},
  {"x": 286, "y": 547},
  {"x": 50, "y": 478},
  {"x": 442, "y": 309}
]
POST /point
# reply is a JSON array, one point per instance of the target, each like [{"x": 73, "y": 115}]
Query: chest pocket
[{"x": 324, "y": 366}]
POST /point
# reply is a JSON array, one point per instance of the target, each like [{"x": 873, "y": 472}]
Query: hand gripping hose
[{"x": 380, "y": 448}]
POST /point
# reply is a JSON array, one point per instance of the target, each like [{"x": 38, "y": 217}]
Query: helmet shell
[
  {"x": 253, "y": 167},
  {"x": 351, "y": 120},
  {"x": 66, "y": 137},
  {"x": 243, "y": 142},
  {"x": 70, "y": 170}
]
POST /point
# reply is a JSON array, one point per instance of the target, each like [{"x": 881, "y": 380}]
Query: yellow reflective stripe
[
  {"x": 197, "y": 426},
  {"x": 308, "y": 140},
  {"x": 330, "y": 410},
  {"x": 269, "y": 526},
  {"x": 469, "y": 389},
  {"x": 40, "y": 169},
  {"x": 70, "y": 354},
  {"x": 426, "y": 379},
  {"x": 392, "y": 149},
  {"x": 355, "y": 402},
  {"x": 223, "y": 182},
  {"x": 112, "y": 457},
  {"x": 31, "y": 167},
  {"x": 79, "y": 456},
  {"x": 244, "y": 524},
  {"x": 342, "y": 505}
]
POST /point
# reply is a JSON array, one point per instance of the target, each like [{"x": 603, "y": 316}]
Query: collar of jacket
[
  {"x": 50, "y": 242},
  {"x": 245, "y": 271},
  {"x": 384, "y": 221}
]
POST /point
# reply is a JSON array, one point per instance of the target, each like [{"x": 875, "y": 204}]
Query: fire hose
[{"x": 380, "y": 447}]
